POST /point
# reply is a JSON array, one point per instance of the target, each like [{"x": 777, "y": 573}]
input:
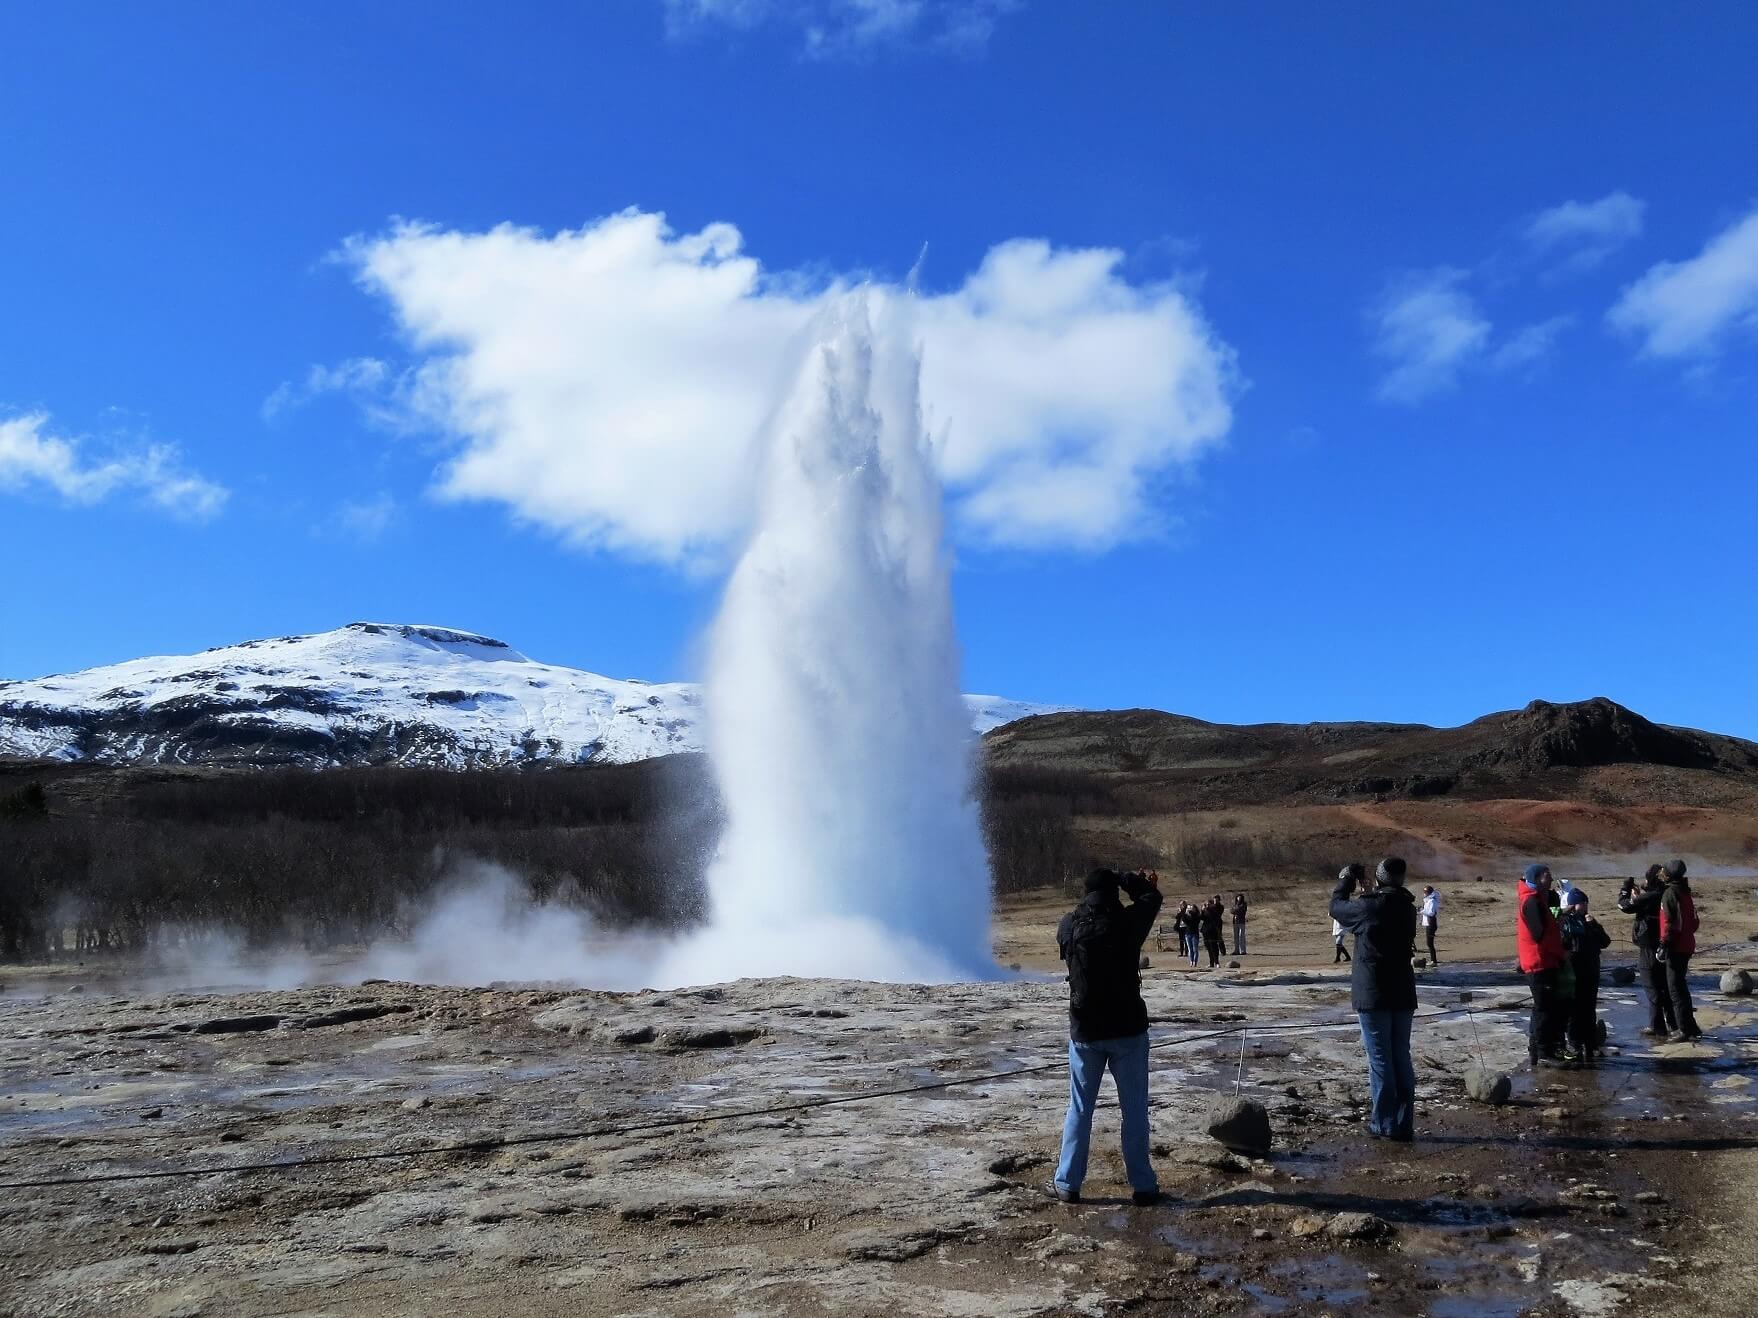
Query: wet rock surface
[{"x": 563, "y": 1152}]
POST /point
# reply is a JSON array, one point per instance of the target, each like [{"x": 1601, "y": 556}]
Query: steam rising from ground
[{"x": 838, "y": 738}]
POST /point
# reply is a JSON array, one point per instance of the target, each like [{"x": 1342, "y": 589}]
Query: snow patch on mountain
[{"x": 367, "y": 693}]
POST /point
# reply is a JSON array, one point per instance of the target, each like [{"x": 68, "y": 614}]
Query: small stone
[
  {"x": 1486, "y": 1086},
  {"x": 1651, "y": 1197},
  {"x": 1262, "y": 1233},
  {"x": 152, "y": 1114},
  {"x": 1307, "y": 1224},
  {"x": 1241, "y": 1124},
  {"x": 416, "y": 1104},
  {"x": 1357, "y": 1226},
  {"x": 1233, "y": 965},
  {"x": 1623, "y": 975},
  {"x": 1144, "y": 963},
  {"x": 1736, "y": 983},
  {"x": 1558, "y": 1113}
]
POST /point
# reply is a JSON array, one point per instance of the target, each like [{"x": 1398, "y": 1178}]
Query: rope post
[
  {"x": 1239, "y": 1075},
  {"x": 1476, "y": 1038}
]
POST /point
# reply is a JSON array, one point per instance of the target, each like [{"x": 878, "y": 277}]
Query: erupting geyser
[{"x": 842, "y": 749}]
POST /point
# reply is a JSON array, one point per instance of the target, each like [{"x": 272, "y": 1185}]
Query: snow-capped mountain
[{"x": 367, "y": 693}]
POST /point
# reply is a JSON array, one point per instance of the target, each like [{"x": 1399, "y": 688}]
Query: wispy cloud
[
  {"x": 380, "y": 392},
  {"x": 34, "y": 458},
  {"x": 363, "y": 520},
  {"x": 605, "y": 381},
  {"x": 1579, "y": 235},
  {"x": 1527, "y": 347},
  {"x": 1427, "y": 328},
  {"x": 1685, "y": 309},
  {"x": 831, "y": 29}
]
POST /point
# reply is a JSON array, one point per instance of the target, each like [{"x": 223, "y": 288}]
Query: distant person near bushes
[
  {"x": 1212, "y": 915},
  {"x": 1240, "y": 906},
  {"x": 1542, "y": 961},
  {"x": 1383, "y": 990},
  {"x": 1429, "y": 914},
  {"x": 1644, "y": 904},
  {"x": 1101, "y": 942},
  {"x": 1678, "y": 942},
  {"x": 1584, "y": 939}
]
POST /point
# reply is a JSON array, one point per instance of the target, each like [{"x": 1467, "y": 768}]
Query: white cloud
[
  {"x": 1581, "y": 234},
  {"x": 365, "y": 520},
  {"x": 837, "y": 28},
  {"x": 1427, "y": 329},
  {"x": 33, "y": 458},
  {"x": 1687, "y": 308},
  {"x": 606, "y": 382},
  {"x": 1529, "y": 345}
]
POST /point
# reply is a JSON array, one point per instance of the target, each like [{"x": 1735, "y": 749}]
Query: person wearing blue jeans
[
  {"x": 1382, "y": 989},
  {"x": 1101, "y": 940},
  {"x": 1391, "y": 1075}
]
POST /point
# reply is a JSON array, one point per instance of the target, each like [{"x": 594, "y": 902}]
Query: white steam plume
[{"x": 844, "y": 759}]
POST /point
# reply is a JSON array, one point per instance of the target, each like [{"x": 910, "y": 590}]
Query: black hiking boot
[
  {"x": 1147, "y": 1198},
  {"x": 1060, "y": 1195}
]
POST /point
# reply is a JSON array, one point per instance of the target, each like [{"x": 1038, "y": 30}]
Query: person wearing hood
[
  {"x": 1382, "y": 987},
  {"x": 1101, "y": 941},
  {"x": 1644, "y": 904},
  {"x": 1540, "y": 940},
  {"x": 1584, "y": 939},
  {"x": 1678, "y": 941}
]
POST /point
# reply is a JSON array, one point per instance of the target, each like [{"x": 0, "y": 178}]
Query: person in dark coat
[
  {"x": 1101, "y": 942},
  {"x": 1678, "y": 943},
  {"x": 1644, "y": 904},
  {"x": 1584, "y": 939},
  {"x": 1240, "y": 907},
  {"x": 1213, "y": 913},
  {"x": 1383, "y": 990}
]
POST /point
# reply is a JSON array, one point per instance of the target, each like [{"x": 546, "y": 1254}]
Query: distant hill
[
  {"x": 1544, "y": 750},
  {"x": 365, "y": 694}
]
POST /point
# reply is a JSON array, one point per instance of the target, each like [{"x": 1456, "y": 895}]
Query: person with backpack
[
  {"x": 1584, "y": 939},
  {"x": 1382, "y": 986},
  {"x": 1542, "y": 961},
  {"x": 1644, "y": 905},
  {"x": 1678, "y": 941},
  {"x": 1101, "y": 942}
]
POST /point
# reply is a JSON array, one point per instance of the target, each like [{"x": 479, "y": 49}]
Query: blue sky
[{"x": 1467, "y": 297}]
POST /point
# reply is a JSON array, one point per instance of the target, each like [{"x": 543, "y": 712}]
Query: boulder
[
  {"x": 1240, "y": 1124},
  {"x": 1357, "y": 1226},
  {"x": 1144, "y": 963},
  {"x": 1623, "y": 975},
  {"x": 1736, "y": 983},
  {"x": 1486, "y": 1086}
]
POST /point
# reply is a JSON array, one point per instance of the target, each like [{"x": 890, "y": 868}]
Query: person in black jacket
[
  {"x": 1645, "y": 934},
  {"x": 1383, "y": 990},
  {"x": 1212, "y": 916},
  {"x": 1584, "y": 938},
  {"x": 1101, "y": 940}
]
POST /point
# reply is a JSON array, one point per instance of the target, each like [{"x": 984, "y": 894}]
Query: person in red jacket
[
  {"x": 1678, "y": 940},
  {"x": 1540, "y": 940}
]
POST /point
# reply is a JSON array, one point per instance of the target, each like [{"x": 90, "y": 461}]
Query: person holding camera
[
  {"x": 1382, "y": 985},
  {"x": 1644, "y": 905},
  {"x": 1678, "y": 942},
  {"x": 1101, "y": 941}
]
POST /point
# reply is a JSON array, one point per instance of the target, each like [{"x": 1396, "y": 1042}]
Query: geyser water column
[{"x": 842, "y": 748}]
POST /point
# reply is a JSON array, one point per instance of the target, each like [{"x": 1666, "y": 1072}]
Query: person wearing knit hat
[
  {"x": 1101, "y": 941},
  {"x": 1540, "y": 940},
  {"x": 1382, "y": 989},
  {"x": 1643, "y": 903},
  {"x": 1678, "y": 942},
  {"x": 1584, "y": 939}
]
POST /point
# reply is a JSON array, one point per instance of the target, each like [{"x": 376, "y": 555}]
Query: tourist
[
  {"x": 1339, "y": 935},
  {"x": 1540, "y": 940},
  {"x": 1645, "y": 934},
  {"x": 1430, "y": 915},
  {"x": 1212, "y": 914},
  {"x": 1240, "y": 906},
  {"x": 1101, "y": 941},
  {"x": 1186, "y": 925},
  {"x": 1584, "y": 938},
  {"x": 1678, "y": 940},
  {"x": 1383, "y": 990}
]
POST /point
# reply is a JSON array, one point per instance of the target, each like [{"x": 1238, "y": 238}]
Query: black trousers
[
  {"x": 1660, "y": 1002},
  {"x": 1584, "y": 1014},
  {"x": 1678, "y": 988},
  {"x": 1342, "y": 953},
  {"x": 1215, "y": 945},
  {"x": 1545, "y": 1034},
  {"x": 1430, "y": 930}
]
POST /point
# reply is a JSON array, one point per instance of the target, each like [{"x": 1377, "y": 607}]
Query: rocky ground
[{"x": 744, "y": 1150}]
